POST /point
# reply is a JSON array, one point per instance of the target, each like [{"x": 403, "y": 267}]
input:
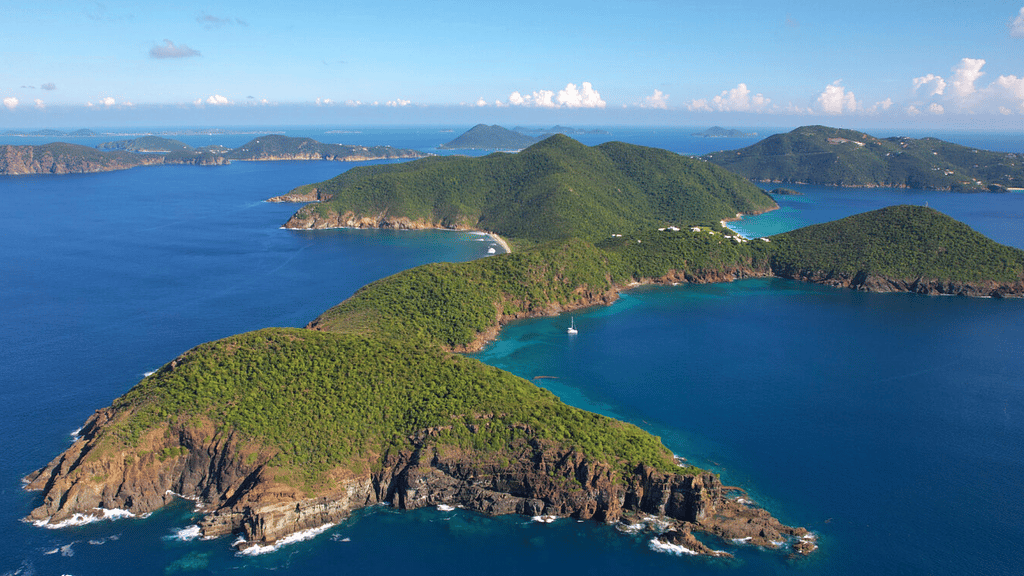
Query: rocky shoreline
[{"x": 240, "y": 494}]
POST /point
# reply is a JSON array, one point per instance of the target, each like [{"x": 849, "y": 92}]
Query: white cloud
[
  {"x": 584, "y": 97},
  {"x": 1017, "y": 26},
  {"x": 396, "y": 103},
  {"x": 964, "y": 76},
  {"x": 571, "y": 96},
  {"x": 324, "y": 102},
  {"x": 169, "y": 50},
  {"x": 1011, "y": 86},
  {"x": 544, "y": 99},
  {"x": 794, "y": 109},
  {"x": 40, "y": 104},
  {"x": 933, "y": 84},
  {"x": 936, "y": 108},
  {"x": 1005, "y": 111},
  {"x": 657, "y": 100},
  {"x": 912, "y": 110},
  {"x": 700, "y": 105},
  {"x": 11, "y": 102},
  {"x": 738, "y": 99},
  {"x": 108, "y": 101},
  {"x": 481, "y": 102},
  {"x": 966, "y": 95},
  {"x": 836, "y": 100},
  {"x": 883, "y": 106}
]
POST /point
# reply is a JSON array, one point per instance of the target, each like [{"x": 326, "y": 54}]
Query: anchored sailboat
[{"x": 572, "y": 327}]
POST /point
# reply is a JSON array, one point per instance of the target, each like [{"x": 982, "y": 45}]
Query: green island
[
  {"x": 719, "y": 132},
  {"x": 282, "y": 430},
  {"x": 557, "y": 188},
  {"x": 484, "y": 137},
  {"x": 837, "y": 157},
  {"x": 64, "y": 158}
]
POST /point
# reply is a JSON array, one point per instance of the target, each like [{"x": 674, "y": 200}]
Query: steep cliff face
[
  {"x": 239, "y": 492},
  {"x": 315, "y": 220}
]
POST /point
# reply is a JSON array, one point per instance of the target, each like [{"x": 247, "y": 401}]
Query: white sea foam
[
  {"x": 545, "y": 519},
  {"x": 64, "y": 550},
  {"x": 678, "y": 550},
  {"x": 742, "y": 540},
  {"x": 148, "y": 374},
  {"x": 631, "y": 528},
  {"x": 657, "y": 524},
  {"x": 289, "y": 539},
  {"x": 75, "y": 435},
  {"x": 79, "y": 519},
  {"x": 445, "y": 508},
  {"x": 187, "y": 533}
]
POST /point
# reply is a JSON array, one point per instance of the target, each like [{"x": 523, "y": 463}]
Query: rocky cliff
[
  {"x": 875, "y": 283},
  {"x": 315, "y": 220},
  {"x": 239, "y": 492}
]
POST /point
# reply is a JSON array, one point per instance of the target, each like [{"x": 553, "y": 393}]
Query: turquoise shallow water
[{"x": 889, "y": 424}]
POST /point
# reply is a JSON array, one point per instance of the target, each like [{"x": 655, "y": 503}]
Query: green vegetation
[
  {"x": 484, "y": 137},
  {"x": 330, "y": 400},
  {"x": 719, "y": 132},
  {"x": 837, "y": 157},
  {"x": 900, "y": 242},
  {"x": 553, "y": 190},
  {"x": 287, "y": 147},
  {"x": 452, "y": 304},
  {"x": 145, "y": 144},
  {"x": 379, "y": 375}
]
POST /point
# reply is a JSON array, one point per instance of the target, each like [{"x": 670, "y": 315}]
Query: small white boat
[{"x": 572, "y": 327}]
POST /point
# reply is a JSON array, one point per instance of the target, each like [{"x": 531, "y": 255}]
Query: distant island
[
  {"x": 146, "y": 144},
  {"x": 559, "y": 129},
  {"x": 282, "y": 430},
  {"x": 484, "y": 137},
  {"x": 87, "y": 133},
  {"x": 65, "y": 158},
  {"x": 719, "y": 132},
  {"x": 837, "y": 157},
  {"x": 50, "y": 133}
]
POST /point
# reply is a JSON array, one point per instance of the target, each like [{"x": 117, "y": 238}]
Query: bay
[{"x": 889, "y": 424}]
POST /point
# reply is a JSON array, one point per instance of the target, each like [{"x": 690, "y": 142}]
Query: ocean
[{"x": 889, "y": 424}]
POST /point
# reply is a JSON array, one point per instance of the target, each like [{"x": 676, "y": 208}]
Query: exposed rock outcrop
[
  {"x": 320, "y": 220},
  {"x": 874, "y": 283},
  {"x": 240, "y": 492}
]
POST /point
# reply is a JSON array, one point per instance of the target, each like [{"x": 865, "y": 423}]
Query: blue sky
[{"x": 858, "y": 64}]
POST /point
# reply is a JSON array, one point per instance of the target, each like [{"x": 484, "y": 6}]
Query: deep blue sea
[{"x": 892, "y": 425}]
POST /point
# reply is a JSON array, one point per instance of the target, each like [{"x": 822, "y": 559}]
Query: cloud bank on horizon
[{"x": 665, "y": 60}]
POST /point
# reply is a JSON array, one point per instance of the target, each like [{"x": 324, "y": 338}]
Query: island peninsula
[
  {"x": 282, "y": 430},
  {"x": 836, "y": 157},
  {"x": 64, "y": 158}
]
